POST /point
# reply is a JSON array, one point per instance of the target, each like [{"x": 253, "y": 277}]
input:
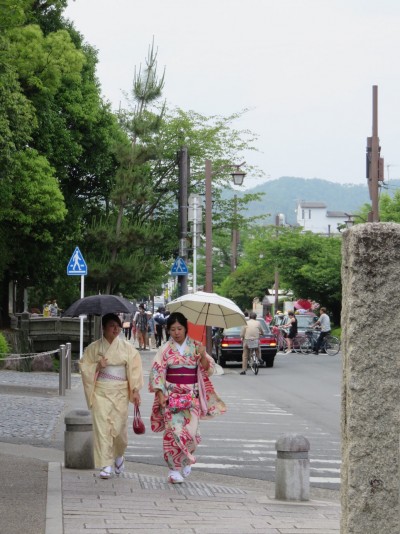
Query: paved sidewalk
[
  {"x": 140, "y": 503},
  {"x": 68, "y": 501}
]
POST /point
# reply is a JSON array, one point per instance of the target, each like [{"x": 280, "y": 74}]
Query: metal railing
[{"x": 65, "y": 358}]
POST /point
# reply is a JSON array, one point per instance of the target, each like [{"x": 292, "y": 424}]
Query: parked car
[{"x": 228, "y": 346}]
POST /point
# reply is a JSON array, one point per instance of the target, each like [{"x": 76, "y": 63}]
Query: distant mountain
[{"x": 282, "y": 195}]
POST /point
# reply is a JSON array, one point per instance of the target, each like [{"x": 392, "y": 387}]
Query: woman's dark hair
[
  {"x": 110, "y": 317},
  {"x": 177, "y": 317}
]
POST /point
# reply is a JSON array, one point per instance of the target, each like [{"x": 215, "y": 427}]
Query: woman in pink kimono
[
  {"x": 111, "y": 370},
  {"x": 183, "y": 394}
]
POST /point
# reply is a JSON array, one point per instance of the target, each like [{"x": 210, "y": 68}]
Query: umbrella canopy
[
  {"x": 99, "y": 305},
  {"x": 208, "y": 309},
  {"x": 303, "y": 304}
]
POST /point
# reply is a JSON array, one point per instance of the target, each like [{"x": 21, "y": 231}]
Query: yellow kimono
[{"x": 109, "y": 399}]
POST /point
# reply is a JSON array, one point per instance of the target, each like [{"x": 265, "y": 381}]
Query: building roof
[
  {"x": 340, "y": 214},
  {"x": 304, "y": 204}
]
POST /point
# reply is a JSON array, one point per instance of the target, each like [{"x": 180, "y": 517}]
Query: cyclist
[
  {"x": 292, "y": 326},
  {"x": 251, "y": 331},
  {"x": 325, "y": 323}
]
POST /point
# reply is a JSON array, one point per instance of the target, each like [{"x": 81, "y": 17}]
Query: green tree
[{"x": 308, "y": 264}]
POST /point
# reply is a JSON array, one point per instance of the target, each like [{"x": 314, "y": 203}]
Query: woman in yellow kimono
[{"x": 112, "y": 376}]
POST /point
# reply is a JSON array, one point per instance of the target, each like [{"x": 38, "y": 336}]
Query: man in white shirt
[
  {"x": 251, "y": 331},
  {"x": 325, "y": 323}
]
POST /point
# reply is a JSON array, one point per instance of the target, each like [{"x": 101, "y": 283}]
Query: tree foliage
[{"x": 308, "y": 264}]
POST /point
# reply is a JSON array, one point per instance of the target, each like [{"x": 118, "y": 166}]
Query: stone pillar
[
  {"x": 371, "y": 379},
  {"x": 78, "y": 440},
  {"x": 292, "y": 468}
]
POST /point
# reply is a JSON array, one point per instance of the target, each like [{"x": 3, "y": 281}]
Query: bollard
[
  {"x": 61, "y": 372},
  {"x": 292, "y": 468},
  {"x": 78, "y": 440}
]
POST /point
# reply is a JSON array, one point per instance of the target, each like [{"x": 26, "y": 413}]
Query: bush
[{"x": 4, "y": 348}]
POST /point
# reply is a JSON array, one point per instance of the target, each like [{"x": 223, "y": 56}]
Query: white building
[{"x": 314, "y": 217}]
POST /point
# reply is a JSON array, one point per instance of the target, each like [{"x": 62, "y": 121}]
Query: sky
[{"x": 303, "y": 68}]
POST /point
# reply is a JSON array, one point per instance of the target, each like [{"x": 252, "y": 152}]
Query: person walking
[
  {"x": 142, "y": 323},
  {"x": 127, "y": 325},
  {"x": 325, "y": 323},
  {"x": 291, "y": 325},
  {"x": 252, "y": 330},
  {"x": 179, "y": 379},
  {"x": 159, "y": 321},
  {"x": 112, "y": 376},
  {"x": 150, "y": 330}
]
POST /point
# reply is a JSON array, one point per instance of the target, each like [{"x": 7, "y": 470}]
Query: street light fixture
[{"x": 238, "y": 175}]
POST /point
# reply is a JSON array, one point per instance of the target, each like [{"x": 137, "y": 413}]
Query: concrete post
[
  {"x": 25, "y": 323},
  {"x": 292, "y": 468},
  {"x": 68, "y": 379},
  {"x": 78, "y": 440},
  {"x": 61, "y": 371},
  {"x": 371, "y": 378}
]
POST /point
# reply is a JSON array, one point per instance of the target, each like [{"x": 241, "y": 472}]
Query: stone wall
[{"x": 371, "y": 379}]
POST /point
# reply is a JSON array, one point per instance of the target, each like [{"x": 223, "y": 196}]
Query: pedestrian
[
  {"x": 252, "y": 330},
  {"x": 291, "y": 325},
  {"x": 151, "y": 330},
  {"x": 159, "y": 321},
  {"x": 54, "y": 309},
  {"x": 142, "y": 327},
  {"x": 325, "y": 323},
  {"x": 46, "y": 309},
  {"x": 112, "y": 376},
  {"x": 268, "y": 317},
  {"x": 127, "y": 325},
  {"x": 179, "y": 378}
]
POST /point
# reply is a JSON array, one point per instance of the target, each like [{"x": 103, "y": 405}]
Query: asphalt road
[{"x": 300, "y": 394}]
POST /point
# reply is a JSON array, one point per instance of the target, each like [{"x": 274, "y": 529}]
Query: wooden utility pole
[
  {"x": 375, "y": 164},
  {"x": 276, "y": 284}
]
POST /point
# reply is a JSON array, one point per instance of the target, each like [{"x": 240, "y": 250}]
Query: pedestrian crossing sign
[
  {"x": 77, "y": 265},
  {"x": 179, "y": 268}
]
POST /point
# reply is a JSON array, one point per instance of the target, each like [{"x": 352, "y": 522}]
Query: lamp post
[{"x": 238, "y": 177}]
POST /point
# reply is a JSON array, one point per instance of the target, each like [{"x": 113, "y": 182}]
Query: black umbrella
[{"x": 99, "y": 305}]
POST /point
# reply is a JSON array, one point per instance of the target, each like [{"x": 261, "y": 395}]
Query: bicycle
[
  {"x": 281, "y": 342},
  {"x": 330, "y": 344},
  {"x": 252, "y": 360}
]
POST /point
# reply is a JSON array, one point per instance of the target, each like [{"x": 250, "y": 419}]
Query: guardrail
[{"x": 65, "y": 359}]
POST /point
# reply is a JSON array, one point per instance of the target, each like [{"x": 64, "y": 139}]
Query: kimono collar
[{"x": 181, "y": 348}]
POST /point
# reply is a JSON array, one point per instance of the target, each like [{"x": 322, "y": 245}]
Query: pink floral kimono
[{"x": 181, "y": 426}]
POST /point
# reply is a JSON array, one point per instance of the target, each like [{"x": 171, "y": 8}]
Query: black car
[{"x": 228, "y": 346}]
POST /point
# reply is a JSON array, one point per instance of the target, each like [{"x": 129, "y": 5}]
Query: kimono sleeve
[
  {"x": 88, "y": 366},
  {"x": 158, "y": 372},
  {"x": 134, "y": 370}
]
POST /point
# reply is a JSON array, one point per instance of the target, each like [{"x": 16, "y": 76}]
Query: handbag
[
  {"x": 126, "y": 324},
  {"x": 138, "y": 425},
  {"x": 180, "y": 401}
]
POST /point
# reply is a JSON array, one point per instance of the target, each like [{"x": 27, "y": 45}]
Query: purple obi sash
[{"x": 181, "y": 375}]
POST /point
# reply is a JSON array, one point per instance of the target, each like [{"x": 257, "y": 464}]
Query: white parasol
[{"x": 208, "y": 309}]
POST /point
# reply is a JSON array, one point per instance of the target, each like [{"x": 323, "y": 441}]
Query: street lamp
[
  {"x": 238, "y": 177},
  {"x": 350, "y": 221}
]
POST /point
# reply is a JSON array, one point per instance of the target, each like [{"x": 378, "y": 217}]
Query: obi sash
[
  {"x": 181, "y": 375},
  {"x": 112, "y": 372}
]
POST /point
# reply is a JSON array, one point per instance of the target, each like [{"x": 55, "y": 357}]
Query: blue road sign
[
  {"x": 179, "y": 268},
  {"x": 77, "y": 265}
]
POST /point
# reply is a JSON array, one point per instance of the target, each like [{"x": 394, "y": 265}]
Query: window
[
  {"x": 302, "y": 214},
  {"x": 309, "y": 214}
]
